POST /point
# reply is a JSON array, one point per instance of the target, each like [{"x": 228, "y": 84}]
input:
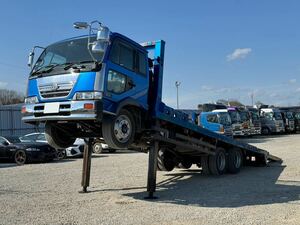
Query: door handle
[{"x": 131, "y": 84}]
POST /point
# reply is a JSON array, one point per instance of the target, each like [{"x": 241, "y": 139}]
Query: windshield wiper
[
  {"x": 75, "y": 65},
  {"x": 45, "y": 69}
]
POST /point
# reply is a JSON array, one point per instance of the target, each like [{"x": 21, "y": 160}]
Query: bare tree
[{"x": 8, "y": 97}]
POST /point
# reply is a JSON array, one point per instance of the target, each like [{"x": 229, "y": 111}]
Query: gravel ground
[{"x": 48, "y": 193}]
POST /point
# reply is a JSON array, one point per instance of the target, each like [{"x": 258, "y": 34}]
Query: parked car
[
  {"x": 40, "y": 137},
  {"x": 13, "y": 149},
  {"x": 77, "y": 149},
  {"x": 99, "y": 147}
]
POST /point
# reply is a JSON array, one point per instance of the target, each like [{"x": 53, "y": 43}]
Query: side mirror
[
  {"x": 30, "y": 59},
  {"x": 5, "y": 143},
  {"x": 99, "y": 46},
  {"x": 80, "y": 25},
  {"x": 103, "y": 34}
]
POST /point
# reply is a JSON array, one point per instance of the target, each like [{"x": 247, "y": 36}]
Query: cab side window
[
  {"x": 122, "y": 55},
  {"x": 212, "y": 118},
  {"x": 116, "y": 82},
  {"x": 128, "y": 57}
]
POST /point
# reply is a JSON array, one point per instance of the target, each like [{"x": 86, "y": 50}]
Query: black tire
[
  {"x": 217, "y": 163},
  {"x": 185, "y": 164},
  {"x": 57, "y": 138},
  {"x": 235, "y": 159},
  {"x": 119, "y": 132},
  {"x": 97, "y": 148},
  {"x": 20, "y": 157},
  {"x": 204, "y": 165},
  {"x": 61, "y": 154},
  {"x": 165, "y": 160},
  {"x": 265, "y": 131}
]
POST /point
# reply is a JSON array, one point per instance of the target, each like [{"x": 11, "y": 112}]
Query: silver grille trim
[{"x": 56, "y": 90}]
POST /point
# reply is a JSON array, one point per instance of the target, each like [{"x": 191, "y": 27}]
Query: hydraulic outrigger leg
[
  {"x": 86, "y": 167},
  {"x": 152, "y": 169}
]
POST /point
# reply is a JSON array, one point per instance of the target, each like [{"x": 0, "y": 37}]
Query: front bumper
[{"x": 68, "y": 110}]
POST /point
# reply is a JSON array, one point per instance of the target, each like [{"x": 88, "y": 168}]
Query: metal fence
[{"x": 11, "y": 123}]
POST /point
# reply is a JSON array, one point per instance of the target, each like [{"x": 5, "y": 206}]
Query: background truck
[
  {"x": 237, "y": 128},
  {"x": 288, "y": 120},
  {"x": 216, "y": 121},
  {"x": 271, "y": 121},
  {"x": 107, "y": 85},
  {"x": 255, "y": 124}
]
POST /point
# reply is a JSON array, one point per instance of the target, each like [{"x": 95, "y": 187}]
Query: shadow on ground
[{"x": 252, "y": 186}]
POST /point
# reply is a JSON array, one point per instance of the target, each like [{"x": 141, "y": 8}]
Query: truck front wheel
[
  {"x": 119, "y": 132},
  {"x": 57, "y": 138}
]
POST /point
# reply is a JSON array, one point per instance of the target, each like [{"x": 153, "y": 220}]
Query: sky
[{"x": 216, "y": 49}]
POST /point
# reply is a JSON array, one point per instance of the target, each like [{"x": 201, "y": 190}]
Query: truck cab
[
  {"x": 288, "y": 120},
  {"x": 91, "y": 86},
  {"x": 245, "y": 119},
  {"x": 255, "y": 124},
  {"x": 297, "y": 120},
  {"x": 237, "y": 128},
  {"x": 271, "y": 121},
  {"x": 216, "y": 121}
]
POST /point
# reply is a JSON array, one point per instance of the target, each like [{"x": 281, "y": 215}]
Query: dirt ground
[{"x": 48, "y": 193}]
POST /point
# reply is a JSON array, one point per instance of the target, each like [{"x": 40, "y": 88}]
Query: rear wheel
[
  {"x": 119, "y": 132},
  {"x": 204, "y": 165},
  {"x": 61, "y": 154},
  {"x": 20, "y": 157},
  {"x": 97, "y": 148},
  {"x": 235, "y": 159},
  {"x": 165, "y": 160},
  {"x": 57, "y": 138},
  {"x": 217, "y": 163}
]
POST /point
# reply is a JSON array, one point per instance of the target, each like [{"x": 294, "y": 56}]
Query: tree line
[{"x": 8, "y": 97}]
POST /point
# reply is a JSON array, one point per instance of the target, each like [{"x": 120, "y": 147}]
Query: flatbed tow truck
[{"x": 106, "y": 86}]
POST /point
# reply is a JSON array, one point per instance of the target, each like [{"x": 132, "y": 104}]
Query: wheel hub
[{"x": 122, "y": 128}]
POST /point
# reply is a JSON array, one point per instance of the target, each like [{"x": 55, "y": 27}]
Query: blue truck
[
  {"x": 217, "y": 121},
  {"x": 105, "y": 85}
]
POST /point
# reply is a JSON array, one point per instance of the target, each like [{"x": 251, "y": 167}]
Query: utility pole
[
  {"x": 252, "y": 98},
  {"x": 177, "y": 83}
]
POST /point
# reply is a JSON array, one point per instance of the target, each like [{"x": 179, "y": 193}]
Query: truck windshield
[
  {"x": 289, "y": 115},
  {"x": 235, "y": 118},
  {"x": 244, "y": 116},
  {"x": 64, "y": 53},
  {"x": 277, "y": 116},
  {"x": 224, "y": 119},
  {"x": 297, "y": 116},
  {"x": 254, "y": 116}
]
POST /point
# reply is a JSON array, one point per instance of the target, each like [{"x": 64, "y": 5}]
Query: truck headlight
[
  {"x": 91, "y": 95},
  {"x": 33, "y": 149},
  {"x": 31, "y": 100}
]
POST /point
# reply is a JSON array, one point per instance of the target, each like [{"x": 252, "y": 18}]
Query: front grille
[{"x": 55, "y": 90}]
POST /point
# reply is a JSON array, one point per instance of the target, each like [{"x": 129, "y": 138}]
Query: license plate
[{"x": 52, "y": 107}]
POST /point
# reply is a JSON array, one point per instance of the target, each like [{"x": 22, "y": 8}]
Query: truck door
[{"x": 126, "y": 74}]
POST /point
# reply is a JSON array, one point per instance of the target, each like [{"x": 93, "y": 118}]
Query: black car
[{"x": 12, "y": 148}]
